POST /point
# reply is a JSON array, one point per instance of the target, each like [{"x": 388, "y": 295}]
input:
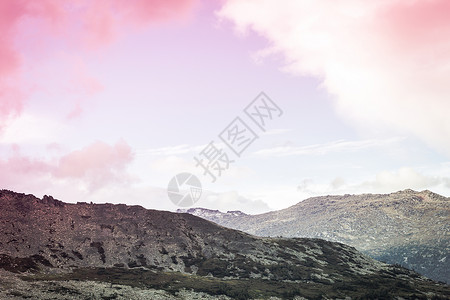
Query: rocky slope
[
  {"x": 409, "y": 228},
  {"x": 172, "y": 252}
]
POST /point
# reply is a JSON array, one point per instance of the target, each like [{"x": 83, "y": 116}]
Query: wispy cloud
[
  {"x": 321, "y": 149},
  {"x": 178, "y": 149},
  {"x": 171, "y": 150}
]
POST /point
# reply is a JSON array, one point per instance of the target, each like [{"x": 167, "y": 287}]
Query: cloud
[
  {"x": 277, "y": 196},
  {"x": 49, "y": 27},
  {"x": 387, "y": 181},
  {"x": 103, "y": 20},
  {"x": 32, "y": 129},
  {"x": 82, "y": 86},
  {"x": 172, "y": 150},
  {"x": 385, "y": 62},
  {"x": 11, "y": 97},
  {"x": 231, "y": 200},
  {"x": 98, "y": 164},
  {"x": 178, "y": 149},
  {"x": 82, "y": 83},
  {"x": 11, "y": 102},
  {"x": 75, "y": 112},
  {"x": 19, "y": 164},
  {"x": 170, "y": 165},
  {"x": 404, "y": 178},
  {"x": 321, "y": 149},
  {"x": 10, "y": 14},
  {"x": 92, "y": 168}
]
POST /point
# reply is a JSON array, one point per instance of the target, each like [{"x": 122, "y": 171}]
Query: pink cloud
[
  {"x": 386, "y": 63},
  {"x": 96, "y": 23},
  {"x": 416, "y": 23},
  {"x": 10, "y": 14},
  {"x": 19, "y": 164},
  {"x": 144, "y": 11},
  {"x": 76, "y": 112},
  {"x": 94, "y": 166},
  {"x": 50, "y": 26},
  {"x": 97, "y": 164},
  {"x": 81, "y": 82},
  {"x": 81, "y": 85},
  {"x": 18, "y": 171},
  {"x": 103, "y": 19},
  {"x": 11, "y": 98},
  {"x": 11, "y": 102}
]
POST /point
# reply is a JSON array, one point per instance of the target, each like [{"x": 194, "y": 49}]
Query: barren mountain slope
[
  {"x": 149, "y": 249},
  {"x": 409, "y": 228}
]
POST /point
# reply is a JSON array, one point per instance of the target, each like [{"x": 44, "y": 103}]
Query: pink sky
[{"x": 105, "y": 101}]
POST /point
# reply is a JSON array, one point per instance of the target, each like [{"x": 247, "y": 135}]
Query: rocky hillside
[
  {"x": 63, "y": 246},
  {"x": 409, "y": 228}
]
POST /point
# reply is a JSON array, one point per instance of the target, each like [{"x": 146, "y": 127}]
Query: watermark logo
[
  {"x": 237, "y": 137},
  {"x": 184, "y": 189}
]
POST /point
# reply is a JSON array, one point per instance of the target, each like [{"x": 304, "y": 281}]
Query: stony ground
[{"x": 12, "y": 287}]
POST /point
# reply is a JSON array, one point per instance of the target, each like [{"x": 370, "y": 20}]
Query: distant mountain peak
[
  {"x": 406, "y": 191},
  {"x": 198, "y": 211}
]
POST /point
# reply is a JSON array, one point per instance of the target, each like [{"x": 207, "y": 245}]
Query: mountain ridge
[
  {"x": 60, "y": 244},
  {"x": 406, "y": 227}
]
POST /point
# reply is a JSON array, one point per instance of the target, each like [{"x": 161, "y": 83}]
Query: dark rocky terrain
[
  {"x": 54, "y": 250},
  {"x": 408, "y": 228}
]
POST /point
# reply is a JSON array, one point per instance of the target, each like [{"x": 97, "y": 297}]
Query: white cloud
[
  {"x": 384, "y": 182},
  {"x": 385, "y": 62},
  {"x": 404, "y": 178},
  {"x": 32, "y": 129},
  {"x": 278, "y": 196}
]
